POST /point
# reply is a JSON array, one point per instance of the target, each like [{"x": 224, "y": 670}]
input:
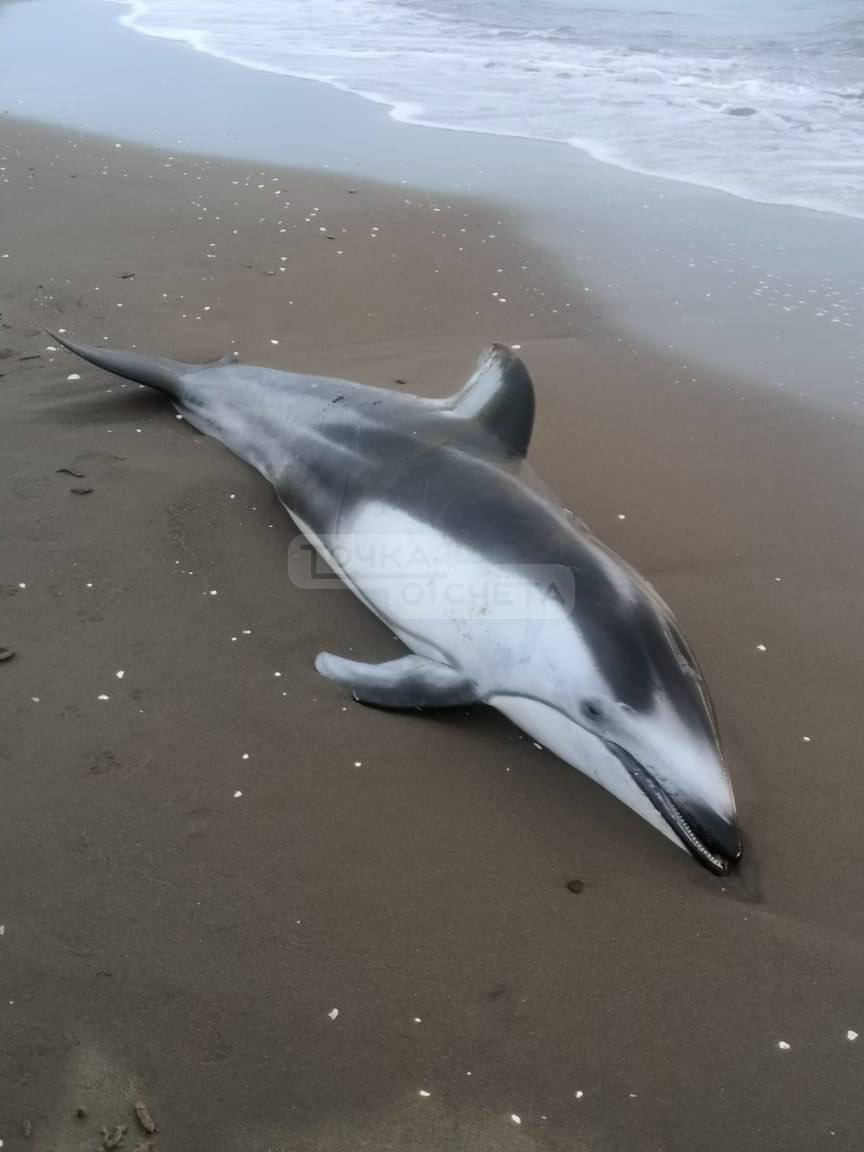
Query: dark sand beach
[{"x": 168, "y": 941}]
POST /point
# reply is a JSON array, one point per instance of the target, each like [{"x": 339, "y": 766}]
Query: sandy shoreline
[{"x": 168, "y": 942}]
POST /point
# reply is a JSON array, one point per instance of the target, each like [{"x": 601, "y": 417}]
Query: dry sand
[{"x": 169, "y": 942}]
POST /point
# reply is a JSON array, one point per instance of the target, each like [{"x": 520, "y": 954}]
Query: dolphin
[{"x": 429, "y": 512}]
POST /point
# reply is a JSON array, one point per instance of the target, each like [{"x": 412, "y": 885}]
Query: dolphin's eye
[{"x": 593, "y": 711}]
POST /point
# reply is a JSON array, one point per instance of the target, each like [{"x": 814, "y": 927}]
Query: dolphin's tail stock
[{"x": 155, "y": 371}]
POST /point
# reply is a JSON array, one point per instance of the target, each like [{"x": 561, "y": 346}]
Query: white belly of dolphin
[{"x": 444, "y": 599}]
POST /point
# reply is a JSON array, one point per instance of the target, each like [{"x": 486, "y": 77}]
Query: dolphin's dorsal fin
[{"x": 500, "y": 396}]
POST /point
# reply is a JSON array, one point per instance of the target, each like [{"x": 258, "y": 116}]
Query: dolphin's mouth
[{"x": 703, "y": 844}]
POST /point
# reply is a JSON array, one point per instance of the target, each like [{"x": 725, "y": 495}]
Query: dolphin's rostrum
[{"x": 429, "y": 512}]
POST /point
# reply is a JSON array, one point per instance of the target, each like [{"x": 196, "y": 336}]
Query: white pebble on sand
[
  {"x": 73, "y": 376},
  {"x": 237, "y": 794},
  {"x": 783, "y": 1045},
  {"x": 516, "y": 1119},
  {"x": 120, "y": 674},
  {"x": 761, "y": 648},
  {"x": 424, "y": 1093},
  {"x": 850, "y": 1035},
  {"x": 103, "y": 697},
  {"x": 333, "y": 1013}
]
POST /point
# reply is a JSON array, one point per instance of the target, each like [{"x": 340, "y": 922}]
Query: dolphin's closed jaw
[{"x": 710, "y": 837}]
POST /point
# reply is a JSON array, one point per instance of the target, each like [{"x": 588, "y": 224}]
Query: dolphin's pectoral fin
[
  {"x": 500, "y": 396},
  {"x": 410, "y": 682}
]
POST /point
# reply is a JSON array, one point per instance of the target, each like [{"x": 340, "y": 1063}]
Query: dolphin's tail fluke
[{"x": 155, "y": 371}]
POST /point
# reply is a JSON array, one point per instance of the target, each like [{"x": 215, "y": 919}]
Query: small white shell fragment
[
  {"x": 424, "y": 1093},
  {"x": 761, "y": 648},
  {"x": 213, "y": 592},
  {"x": 579, "y": 1094},
  {"x": 119, "y": 673},
  {"x": 245, "y": 756},
  {"x": 358, "y": 763},
  {"x": 783, "y": 1045},
  {"x": 237, "y": 794},
  {"x": 73, "y": 376},
  {"x": 850, "y": 1035},
  {"x": 418, "y": 1020},
  {"x": 516, "y": 1119},
  {"x": 622, "y": 515},
  {"x": 333, "y": 1013},
  {"x": 806, "y": 739},
  {"x": 274, "y": 341},
  {"x": 103, "y": 697}
]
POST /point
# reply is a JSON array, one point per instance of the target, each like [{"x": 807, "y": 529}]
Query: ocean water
[{"x": 760, "y": 98}]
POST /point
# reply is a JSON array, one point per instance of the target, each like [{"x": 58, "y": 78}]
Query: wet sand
[{"x": 167, "y": 941}]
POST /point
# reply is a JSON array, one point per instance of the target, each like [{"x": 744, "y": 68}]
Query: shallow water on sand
[{"x": 760, "y": 99}]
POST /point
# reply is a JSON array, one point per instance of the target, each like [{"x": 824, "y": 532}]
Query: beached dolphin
[{"x": 430, "y": 514}]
